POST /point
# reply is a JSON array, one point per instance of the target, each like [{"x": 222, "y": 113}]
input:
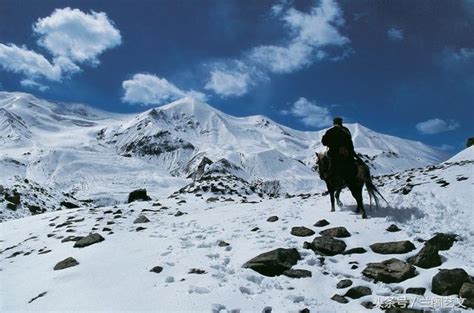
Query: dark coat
[{"x": 337, "y": 137}]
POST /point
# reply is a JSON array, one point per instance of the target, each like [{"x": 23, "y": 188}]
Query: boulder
[
  {"x": 358, "y": 292},
  {"x": 393, "y": 228},
  {"x": 68, "y": 262},
  {"x": 302, "y": 231},
  {"x": 390, "y": 271},
  {"x": 344, "y": 283},
  {"x": 141, "y": 219},
  {"x": 449, "y": 281},
  {"x": 339, "y": 298},
  {"x": 338, "y": 232},
  {"x": 393, "y": 247},
  {"x": 327, "y": 245},
  {"x": 427, "y": 257},
  {"x": 467, "y": 293},
  {"x": 297, "y": 273},
  {"x": 358, "y": 250},
  {"x": 442, "y": 241},
  {"x": 156, "y": 269},
  {"x": 272, "y": 219},
  {"x": 138, "y": 195},
  {"x": 275, "y": 262},
  {"x": 88, "y": 240},
  {"x": 321, "y": 223}
]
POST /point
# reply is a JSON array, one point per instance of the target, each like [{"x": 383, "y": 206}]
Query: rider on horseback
[{"x": 341, "y": 149}]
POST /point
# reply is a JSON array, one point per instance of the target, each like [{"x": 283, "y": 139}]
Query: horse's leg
[
  {"x": 356, "y": 190},
  {"x": 331, "y": 195},
  {"x": 338, "y": 193}
]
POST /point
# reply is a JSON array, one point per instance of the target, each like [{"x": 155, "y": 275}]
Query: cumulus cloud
[
  {"x": 308, "y": 35},
  {"x": 310, "y": 113},
  {"x": 150, "y": 89},
  {"x": 71, "y": 37},
  {"x": 436, "y": 125},
  {"x": 395, "y": 34},
  {"x": 76, "y": 35}
]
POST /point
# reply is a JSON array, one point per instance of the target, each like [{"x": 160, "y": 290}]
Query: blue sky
[{"x": 404, "y": 68}]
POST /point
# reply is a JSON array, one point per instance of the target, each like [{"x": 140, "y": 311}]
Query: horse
[{"x": 355, "y": 175}]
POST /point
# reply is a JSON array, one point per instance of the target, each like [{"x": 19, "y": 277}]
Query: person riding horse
[{"x": 341, "y": 149}]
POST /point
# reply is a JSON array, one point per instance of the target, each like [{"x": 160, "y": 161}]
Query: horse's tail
[{"x": 374, "y": 193}]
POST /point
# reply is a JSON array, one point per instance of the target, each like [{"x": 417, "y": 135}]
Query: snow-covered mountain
[{"x": 102, "y": 156}]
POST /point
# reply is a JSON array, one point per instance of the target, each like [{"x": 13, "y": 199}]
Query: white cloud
[
  {"x": 228, "y": 82},
  {"x": 309, "y": 113},
  {"x": 77, "y": 36},
  {"x": 436, "y": 125},
  {"x": 395, "y": 34},
  {"x": 33, "y": 85},
  {"x": 310, "y": 33},
  {"x": 151, "y": 89}
]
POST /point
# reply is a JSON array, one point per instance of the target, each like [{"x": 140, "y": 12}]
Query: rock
[
  {"x": 467, "y": 292},
  {"x": 141, "y": 219},
  {"x": 358, "y": 292},
  {"x": 156, "y": 269},
  {"x": 139, "y": 194},
  {"x": 368, "y": 304},
  {"x": 338, "y": 232},
  {"x": 305, "y": 310},
  {"x": 321, "y": 223},
  {"x": 339, "y": 298},
  {"x": 88, "y": 240},
  {"x": 358, "y": 250},
  {"x": 255, "y": 229},
  {"x": 427, "y": 257},
  {"x": 69, "y": 205},
  {"x": 416, "y": 291},
  {"x": 328, "y": 245},
  {"x": 301, "y": 231},
  {"x": 442, "y": 241},
  {"x": 297, "y": 273},
  {"x": 71, "y": 238},
  {"x": 274, "y": 262},
  {"x": 448, "y": 282},
  {"x": 222, "y": 243},
  {"x": 390, "y": 271},
  {"x": 196, "y": 271},
  {"x": 272, "y": 219},
  {"x": 68, "y": 262},
  {"x": 140, "y": 228},
  {"x": 393, "y": 247},
  {"x": 344, "y": 283},
  {"x": 393, "y": 228}
]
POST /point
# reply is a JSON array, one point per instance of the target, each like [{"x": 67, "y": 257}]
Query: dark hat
[{"x": 337, "y": 120}]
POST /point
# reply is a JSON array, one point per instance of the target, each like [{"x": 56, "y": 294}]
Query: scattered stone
[
  {"x": 344, "y": 283},
  {"x": 416, "y": 290},
  {"x": 181, "y": 201},
  {"x": 255, "y": 229},
  {"x": 272, "y": 219},
  {"x": 390, "y": 271},
  {"x": 68, "y": 205},
  {"x": 196, "y": 271},
  {"x": 38, "y": 296},
  {"x": 110, "y": 222},
  {"x": 358, "y": 292},
  {"x": 139, "y": 194},
  {"x": 43, "y": 251},
  {"x": 140, "y": 228},
  {"x": 89, "y": 240},
  {"x": 156, "y": 269},
  {"x": 305, "y": 310},
  {"x": 297, "y": 273},
  {"x": 393, "y": 228},
  {"x": 393, "y": 247},
  {"x": 321, "y": 223},
  {"x": 68, "y": 262},
  {"x": 339, "y": 298},
  {"x": 301, "y": 231},
  {"x": 353, "y": 267},
  {"x": 212, "y": 199},
  {"x": 358, "y": 250},
  {"x": 467, "y": 292},
  {"x": 106, "y": 229},
  {"x": 449, "y": 282},
  {"x": 141, "y": 219},
  {"x": 368, "y": 304},
  {"x": 71, "y": 238},
  {"x": 427, "y": 257},
  {"x": 222, "y": 243},
  {"x": 179, "y": 213},
  {"x": 275, "y": 262},
  {"x": 338, "y": 232},
  {"x": 326, "y": 245},
  {"x": 442, "y": 241}
]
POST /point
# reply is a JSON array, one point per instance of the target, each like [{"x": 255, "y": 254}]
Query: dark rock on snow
[
  {"x": 338, "y": 232},
  {"x": 389, "y": 271},
  {"x": 297, "y": 273},
  {"x": 448, "y": 282},
  {"x": 141, "y": 219},
  {"x": 358, "y": 292},
  {"x": 358, "y": 250},
  {"x": 301, "y": 231},
  {"x": 275, "y": 262},
  {"x": 393, "y": 228},
  {"x": 442, "y": 241},
  {"x": 272, "y": 219},
  {"x": 416, "y": 290},
  {"x": 156, "y": 269},
  {"x": 344, "y": 283},
  {"x": 393, "y": 247},
  {"x": 88, "y": 240},
  {"x": 68, "y": 262},
  {"x": 327, "y": 245},
  {"x": 138, "y": 195},
  {"x": 467, "y": 292},
  {"x": 339, "y": 298},
  {"x": 321, "y": 223},
  {"x": 427, "y": 257}
]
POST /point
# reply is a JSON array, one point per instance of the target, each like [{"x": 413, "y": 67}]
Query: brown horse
[{"x": 355, "y": 175}]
